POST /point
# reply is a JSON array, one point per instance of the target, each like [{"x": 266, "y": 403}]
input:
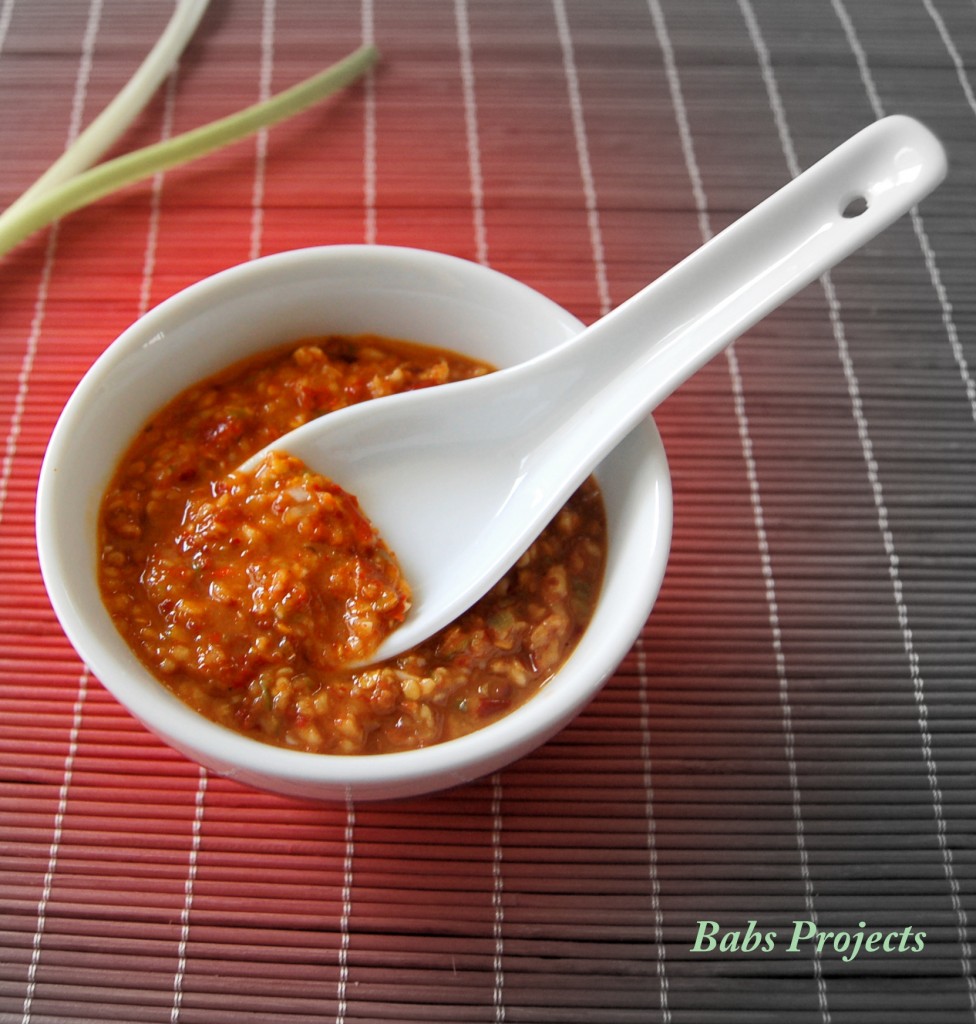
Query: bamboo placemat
[{"x": 792, "y": 737}]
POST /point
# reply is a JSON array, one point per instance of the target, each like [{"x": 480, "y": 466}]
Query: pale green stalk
[
  {"x": 125, "y": 107},
  {"x": 85, "y": 188}
]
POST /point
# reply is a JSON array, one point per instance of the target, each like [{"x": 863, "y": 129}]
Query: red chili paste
[{"x": 247, "y": 593}]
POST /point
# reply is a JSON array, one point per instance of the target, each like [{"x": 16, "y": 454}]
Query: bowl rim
[{"x": 235, "y": 755}]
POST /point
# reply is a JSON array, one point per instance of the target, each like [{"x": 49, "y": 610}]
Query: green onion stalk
[{"x": 72, "y": 182}]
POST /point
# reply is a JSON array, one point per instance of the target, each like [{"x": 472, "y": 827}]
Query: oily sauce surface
[{"x": 246, "y": 595}]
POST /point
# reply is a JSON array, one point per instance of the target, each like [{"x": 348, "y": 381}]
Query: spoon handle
[{"x": 653, "y": 342}]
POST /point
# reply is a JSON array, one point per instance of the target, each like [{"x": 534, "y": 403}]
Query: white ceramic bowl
[{"x": 406, "y": 293}]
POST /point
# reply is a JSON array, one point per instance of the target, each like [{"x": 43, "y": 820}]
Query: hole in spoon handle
[{"x": 855, "y": 207}]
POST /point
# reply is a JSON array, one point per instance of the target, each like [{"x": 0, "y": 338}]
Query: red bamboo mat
[{"x": 791, "y": 738}]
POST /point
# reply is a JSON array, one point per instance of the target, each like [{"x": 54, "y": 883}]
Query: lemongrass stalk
[
  {"x": 100, "y": 181},
  {"x": 106, "y": 128}
]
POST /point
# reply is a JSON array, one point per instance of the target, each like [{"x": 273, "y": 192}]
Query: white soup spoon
[{"x": 460, "y": 479}]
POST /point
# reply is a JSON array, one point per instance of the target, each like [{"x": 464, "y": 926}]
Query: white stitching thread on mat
[
  {"x": 497, "y": 898},
  {"x": 199, "y": 800},
  {"x": 26, "y": 369},
  {"x": 923, "y": 240},
  {"x": 953, "y": 52},
  {"x": 476, "y": 188},
  {"x": 583, "y": 155},
  {"x": 199, "y": 804},
  {"x": 904, "y": 623},
  {"x": 369, "y": 132},
  {"x": 261, "y": 140},
  {"x": 152, "y": 236},
  {"x": 755, "y": 496},
  {"x": 918, "y": 225},
  {"x": 779, "y": 117},
  {"x": 651, "y": 834},
  {"x": 55, "y": 848},
  {"x": 471, "y": 130},
  {"x": 74, "y": 127},
  {"x": 40, "y": 305},
  {"x": 603, "y": 292},
  {"x": 367, "y": 31},
  {"x": 348, "y": 858}
]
